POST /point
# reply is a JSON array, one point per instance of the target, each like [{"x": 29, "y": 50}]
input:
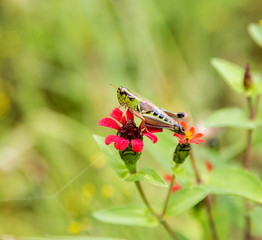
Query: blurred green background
[{"x": 58, "y": 58}]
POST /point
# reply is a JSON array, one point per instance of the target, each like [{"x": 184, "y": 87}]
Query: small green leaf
[
  {"x": 185, "y": 199},
  {"x": 256, "y": 88},
  {"x": 148, "y": 175},
  {"x": 234, "y": 181},
  {"x": 112, "y": 156},
  {"x": 256, "y": 219},
  {"x": 230, "y": 117},
  {"x": 232, "y": 73},
  {"x": 255, "y": 31},
  {"x": 134, "y": 216}
]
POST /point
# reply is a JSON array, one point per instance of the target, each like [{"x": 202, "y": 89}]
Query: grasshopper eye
[
  {"x": 181, "y": 115},
  {"x": 122, "y": 91}
]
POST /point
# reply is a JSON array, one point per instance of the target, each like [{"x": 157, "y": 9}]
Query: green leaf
[
  {"x": 185, "y": 199},
  {"x": 163, "y": 151},
  {"x": 256, "y": 88},
  {"x": 148, "y": 175},
  {"x": 230, "y": 117},
  {"x": 234, "y": 181},
  {"x": 255, "y": 31},
  {"x": 234, "y": 77},
  {"x": 256, "y": 219},
  {"x": 112, "y": 156},
  {"x": 232, "y": 73},
  {"x": 135, "y": 216}
]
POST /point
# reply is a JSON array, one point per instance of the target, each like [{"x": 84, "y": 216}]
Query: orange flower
[
  {"x": 176, "y": 186},
  {"x": 190, "y": 136},
  {"x": 209, "y": 166}
]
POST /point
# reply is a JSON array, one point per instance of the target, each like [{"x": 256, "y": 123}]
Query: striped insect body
[{"x": 150, "y": 114}]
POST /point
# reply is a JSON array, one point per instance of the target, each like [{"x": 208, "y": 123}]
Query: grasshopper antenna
[{"x": 113, "y": 86}]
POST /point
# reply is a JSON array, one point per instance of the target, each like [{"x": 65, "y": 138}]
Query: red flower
[
  {"x": 209, "y": 166},
  {"x": 127, "y": 131},
  {"x": 168, "y": 177},
  {"x": 190, "y": 135},
  {"x": 176, "y": 186}
]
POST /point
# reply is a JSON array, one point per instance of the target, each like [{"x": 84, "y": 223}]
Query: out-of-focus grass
[{"x": 57, "y": 59}]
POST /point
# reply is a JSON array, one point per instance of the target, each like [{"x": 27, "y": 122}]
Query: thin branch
[
  {"x": 207, "y": 202},
  {"x": 161, "y": 221},
  {"x": 253, "y": 108},
  {"x": 168, "y": 196}
]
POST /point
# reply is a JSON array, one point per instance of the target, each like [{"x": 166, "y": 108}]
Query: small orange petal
[
  {"x": 192, "y": 130},
  {"x": 198, "y": 135},
  {"x": 183, "y": 124}
]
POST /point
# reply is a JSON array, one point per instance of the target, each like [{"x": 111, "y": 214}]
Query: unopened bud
[
  {"x": 247, "y": 78},
  {"x": 181, "y": 152},
  {"x": 130, "y": 158}
]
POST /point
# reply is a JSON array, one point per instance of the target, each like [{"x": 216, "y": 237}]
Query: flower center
[
  {"x": 130, "y": 131},
  {"x": 188, "y": 136}
]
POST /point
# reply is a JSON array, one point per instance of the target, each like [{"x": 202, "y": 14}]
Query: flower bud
[
  {"x": 247, "y": 78},
  {"x": 130, "y": 158},
  {"x": 181, "y": 152}
]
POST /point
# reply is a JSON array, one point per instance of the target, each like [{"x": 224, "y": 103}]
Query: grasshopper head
[{"x": 121, "y": 95}]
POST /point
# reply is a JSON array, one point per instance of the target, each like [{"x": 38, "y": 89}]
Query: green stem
[
  {"x": 207, "y": 202},
  {"x": 252, "y": 115},
  {"x": 168, "y": 196},
  {"x": 195, "y": 169},
  {"x": 161, "y": 221},
  {"x": 247, "y": 157},
  {"x": 247, "y": 235}
]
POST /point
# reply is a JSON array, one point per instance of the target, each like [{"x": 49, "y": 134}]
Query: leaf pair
[{"x": 145, "y": 174}]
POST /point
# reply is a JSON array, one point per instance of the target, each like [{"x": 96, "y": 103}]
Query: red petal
[
  {"x": 154, "y": 130},
  {"x": 110, "y": 138},
  {"x": 121, "y": 144},
  {"x": 192, "y": 130},
  {"x": 116, "y": 114},
  {"x": 151, "y": 136},
  {"x": 137, "y": 145},
  {"x": 209, "y": 166},
  {"x": 168, "y": 177},
  {"x": 180, "y": 136},
  {"x": 183, "y": 141},
  {"x": 109, "y": 122},
  {"x": 183, "y": 124},
  {"x": 129, "y": 115},
  {"x": 176, "y": 187},
  {"x": 196, "y": 141},
  {"x": 198, "y": 135}
]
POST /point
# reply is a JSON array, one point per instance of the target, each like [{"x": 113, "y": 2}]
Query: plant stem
[
  {"x": 212, "y": 224},
  {"x": 247, "y": 235},
  {"x": 194, "y": 165},
  {"x": 168, "y": 196},
  {"x": 207, "y": 202},
  {"x": 161, "y": 221},
  {"x": 247, "y": 156},
  {"x": 143, "y": 196}
]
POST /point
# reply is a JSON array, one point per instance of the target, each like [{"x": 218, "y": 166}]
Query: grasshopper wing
[
  {"x": 179, "y": 115},
  {"x": 156, "y": 123}
]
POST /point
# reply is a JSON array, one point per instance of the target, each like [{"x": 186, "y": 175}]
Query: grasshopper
[{"x": 150, "y": 114}]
